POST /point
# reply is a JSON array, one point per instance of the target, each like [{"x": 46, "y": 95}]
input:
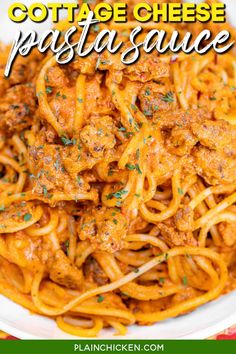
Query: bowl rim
[{"x": 202, "y": 333}]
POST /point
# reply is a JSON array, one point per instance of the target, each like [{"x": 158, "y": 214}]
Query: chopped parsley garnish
[
  {"x": 67, "y": 141},
  {"x": 96, "y": 28},
  {"x": 5, "y": 180},
  {"x": 133, "y": 107},
  {"x": 148, "y": 138},
  {"x": 110, "y": 172},
  {"x": 80, "y": 100},
  {"x": 14, "y": 106},
  {"x": 115, "y": 221},
  {"x": 48, "y": 89},
  {"x": 57, "y": 165},
  {"x": 117, "y": 195},
  {"x": 100, "y": 298},
  {"x": 179, "y": 125},
  {"x": 131, "y": 121},
  {"x": 180, "y": 191},
  {"x": 128, "y": 134},
  {"x": 105, "y": 62},
  {"x": 99, "y": 61},
  {"x": 40, "y": 93},
  {"x": 147, "y": 113},
  {"x": 136, "y": 270},
  {"x": 125, "y": 33},
  {"x": 27, "y": 217},
  {"x": 133, "y": 167},
  {"x": 122, "y": 129},
  {"x": 185, "y": 280},
  {"x": 45, "y": 191},
  {"x": 67, "y": 244},
  {"x": 88, "y": 1},
  {"x": 2, "y": 207},
  {"x": 212, "y": 98},
  {"x": 161, "y": 280},
  {"x": 147, "y": 92},
  {"x": 138, "y": 169},
  {"x": 168, "y": 97},
  {"x": 130, "y": 167}
]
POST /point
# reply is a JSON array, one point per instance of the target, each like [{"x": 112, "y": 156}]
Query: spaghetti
[{"x": 118, "y": 186}]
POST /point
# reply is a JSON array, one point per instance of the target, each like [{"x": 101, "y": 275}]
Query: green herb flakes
[
  {"x": 27, "y": 217},
  {"x": 100, "y": 298}
]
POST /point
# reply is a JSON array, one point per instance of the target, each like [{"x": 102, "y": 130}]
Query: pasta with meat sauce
[{"x": 118, "y": 185}]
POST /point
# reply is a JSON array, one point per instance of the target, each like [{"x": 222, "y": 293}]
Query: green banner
[{"x": 117, "y": 346}]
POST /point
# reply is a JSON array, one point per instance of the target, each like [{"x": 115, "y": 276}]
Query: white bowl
[{"x": 202, "y": 323}]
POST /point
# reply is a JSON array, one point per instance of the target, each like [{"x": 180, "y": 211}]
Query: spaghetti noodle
[{"x": 118, "y": 186}]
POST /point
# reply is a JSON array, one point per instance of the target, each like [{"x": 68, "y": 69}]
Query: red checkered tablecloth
[{"x": 4, "y": 335}]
